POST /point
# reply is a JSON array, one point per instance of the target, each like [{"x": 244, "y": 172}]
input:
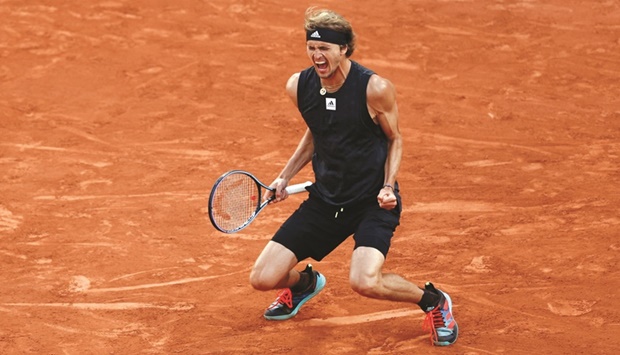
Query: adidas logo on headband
[{"x": 327, "y": 35}]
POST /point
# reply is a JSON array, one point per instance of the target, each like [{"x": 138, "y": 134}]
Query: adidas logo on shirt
[
  {"x": 330, "y": 104},
  {"x": 315, "y": 34}
]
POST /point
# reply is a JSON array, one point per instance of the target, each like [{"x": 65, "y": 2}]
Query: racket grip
[{"x": 297, "y": 188}]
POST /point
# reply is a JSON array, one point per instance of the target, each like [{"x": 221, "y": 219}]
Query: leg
[
  {"x": 372, "y": 241},
  {"x": 367, "y": 279},
  {"x": 373, "y": 235},
  {"x": 274, "y": 268},
  {"x": 305, "y": 234}
]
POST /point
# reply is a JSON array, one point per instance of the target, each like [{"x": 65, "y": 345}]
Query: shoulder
[
  {"x": 299, "y": 78},
  {"x": 291, "y": 87},
  {"x": 380, "y": 91},
  {"x": 293, "y": 81}
]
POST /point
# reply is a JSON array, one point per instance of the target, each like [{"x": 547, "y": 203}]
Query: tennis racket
[{"x": 235, "y": 200}]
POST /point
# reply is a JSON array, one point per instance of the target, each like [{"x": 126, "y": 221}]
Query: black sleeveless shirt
[{"x": 350, "y": 150}]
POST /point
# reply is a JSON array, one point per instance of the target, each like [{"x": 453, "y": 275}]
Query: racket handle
[{"x": 297, "y": 188}]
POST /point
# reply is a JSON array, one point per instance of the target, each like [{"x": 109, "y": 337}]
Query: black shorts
[{"x": 316, "y": 228}]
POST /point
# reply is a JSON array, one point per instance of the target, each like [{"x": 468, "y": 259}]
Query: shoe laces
[
  {"x": 432, "y": 321},
  {"x": 285, "y": 297}
]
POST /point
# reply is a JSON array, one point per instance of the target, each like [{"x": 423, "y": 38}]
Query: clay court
[{"x": 116, "y": 118}]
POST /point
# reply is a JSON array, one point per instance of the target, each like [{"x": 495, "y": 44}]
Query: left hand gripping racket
[{"x": 235, "y": 200}]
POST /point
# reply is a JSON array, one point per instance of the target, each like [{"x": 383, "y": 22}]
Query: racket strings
[{"x": 235, "y": 201}]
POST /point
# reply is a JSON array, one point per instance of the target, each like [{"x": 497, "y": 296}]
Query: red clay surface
[{"x": 116, "y": 117}]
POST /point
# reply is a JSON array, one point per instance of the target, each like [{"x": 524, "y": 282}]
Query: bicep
[{"x": 382, "y": 104}]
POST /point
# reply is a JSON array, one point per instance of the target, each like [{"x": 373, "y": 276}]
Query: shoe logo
[
  {"x": 330, "y": 104},
  {"x": 315, "y": 34},
  {"x": 448, "y": 319}
]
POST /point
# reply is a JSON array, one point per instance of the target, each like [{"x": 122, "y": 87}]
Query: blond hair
[{"x": 323, "y": 18}]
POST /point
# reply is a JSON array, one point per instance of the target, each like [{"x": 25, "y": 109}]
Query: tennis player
[{"x": 354, "y": 144}]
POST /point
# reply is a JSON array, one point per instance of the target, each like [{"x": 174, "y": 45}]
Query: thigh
[
  {"x": 377, "y": 227},
  {"x": 366, "y": 264}
]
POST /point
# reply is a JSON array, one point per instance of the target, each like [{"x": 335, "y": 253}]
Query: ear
[{"x": 343, "y": 49}]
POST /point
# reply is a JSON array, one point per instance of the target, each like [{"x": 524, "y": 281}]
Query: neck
[{"x": 339, "y": 76}]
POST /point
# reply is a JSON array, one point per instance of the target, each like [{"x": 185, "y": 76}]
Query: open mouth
[{"x": 321, "y": 66}]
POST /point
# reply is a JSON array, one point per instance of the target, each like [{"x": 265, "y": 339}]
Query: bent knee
[
  {"x": 264, "y": 280},
  {"x": 259, "y": 282},
  {"x": 366, "y": 286}
]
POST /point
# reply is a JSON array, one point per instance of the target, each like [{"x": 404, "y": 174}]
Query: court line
[
  {"x": 94, "y": 197},
  {"x": 162, "y": 284},
  {"x": 364, "y": 318},
  {"x": 143, "y": 272},
  {"x": 120, "y": 306},
  {"x": 37, "y": 146}
]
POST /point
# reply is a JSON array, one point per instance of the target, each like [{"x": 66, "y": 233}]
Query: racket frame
[{"x": 293, "y": 189}]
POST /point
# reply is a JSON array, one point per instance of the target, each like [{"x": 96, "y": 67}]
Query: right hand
[{"x": 279, "y": 185}]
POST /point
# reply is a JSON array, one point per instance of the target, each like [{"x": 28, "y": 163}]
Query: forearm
[
  {"x": 299, "y": 159},
  {"x": 392, "y": 163}
]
